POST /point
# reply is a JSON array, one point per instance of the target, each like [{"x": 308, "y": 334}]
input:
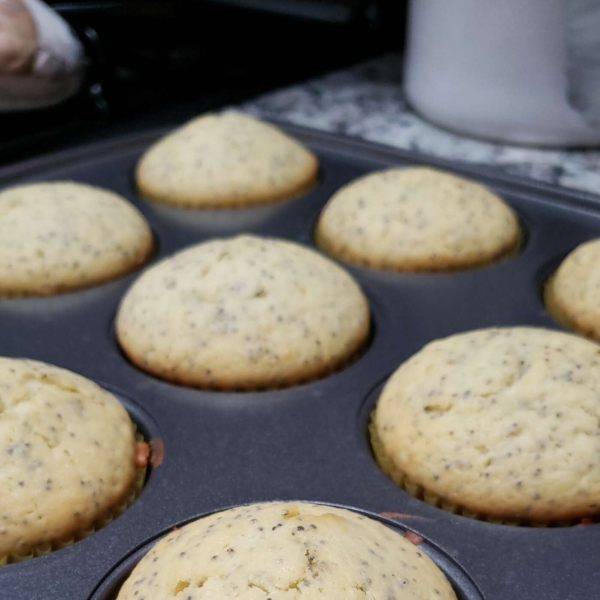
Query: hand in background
[
  {"x": 18, "y": 38},
  {"x": 41, "y": 60}
]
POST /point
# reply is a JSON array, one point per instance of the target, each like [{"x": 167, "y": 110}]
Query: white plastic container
[{"x": 496, "y": 69}]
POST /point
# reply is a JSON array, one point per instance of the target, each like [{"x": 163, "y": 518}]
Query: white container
[{"x": 495, "y": 69}]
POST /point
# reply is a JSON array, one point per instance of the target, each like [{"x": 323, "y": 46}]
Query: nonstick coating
[{"x": 307, "y": 442}]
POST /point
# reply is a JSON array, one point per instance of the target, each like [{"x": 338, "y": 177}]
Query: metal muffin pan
[{"x": 307, "y": 442}]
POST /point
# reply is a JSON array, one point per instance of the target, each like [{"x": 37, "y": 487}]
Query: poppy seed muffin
[
  {"x": 496, "y": 423},
  {"x": 286, "y": 550},
  {"x": 62, "y": 236},
  {"x": 417, "y": 219},
  {"x": 572, "y": 294},
  {"x": 67, "y": 457},
  {"x": 243, "y": 313},
  {"x": 225, "y": 160}
]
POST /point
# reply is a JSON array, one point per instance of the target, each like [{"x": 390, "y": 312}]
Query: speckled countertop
[{"x": 366, "y": 101}]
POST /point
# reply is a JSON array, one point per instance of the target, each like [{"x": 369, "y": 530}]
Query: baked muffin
[
  {"x": 501, "y": 424},
  {"x": 67, "y": 458},
  {"x": 243, "y": 313},
  {"x": 286, "y": 550},
  {"x": 57, "y": 237},
  {"x": 417, "y": 219},
  {"x": 572, "y": 294},
  {"x": 225, "y": 160}
]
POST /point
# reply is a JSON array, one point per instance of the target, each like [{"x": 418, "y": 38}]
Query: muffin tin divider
[{"x": 307, "y": 442}]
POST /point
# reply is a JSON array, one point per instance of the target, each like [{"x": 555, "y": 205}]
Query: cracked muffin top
[
  {"x": 501, "y": 422},
  {"x": 417, "y": 219},
  {"x": 66, "y": 455},
  {"x": 224, "y": 160},
  {"x": 243, "y": 313},
  {"x": 61, "y": 236},
  {"x": 286, "y": 551}
]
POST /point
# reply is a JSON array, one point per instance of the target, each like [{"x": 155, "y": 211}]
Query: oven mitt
[
  {"x": 583, "y": 58},
  {"x": 40, "y": 58}
]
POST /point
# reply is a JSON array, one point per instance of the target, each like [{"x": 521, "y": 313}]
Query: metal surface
[{"x": 307, "y": 442}]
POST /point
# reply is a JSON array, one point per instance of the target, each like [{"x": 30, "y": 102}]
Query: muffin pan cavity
[
  {"x": 75, "y": 471},
  {"x": 462, "y": 584},
  {"x": 308, "y": 442},
  {"x": 429, "y": 501},
  {"x": 146, "y": 432}
]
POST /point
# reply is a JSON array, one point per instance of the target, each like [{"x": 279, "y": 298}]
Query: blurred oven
[{"x": 144, "y": 56}]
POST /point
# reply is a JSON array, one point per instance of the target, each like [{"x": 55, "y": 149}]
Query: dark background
[{"x": 155, "y": 62}]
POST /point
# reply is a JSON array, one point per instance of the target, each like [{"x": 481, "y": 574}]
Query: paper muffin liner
[
  {"x": 292, "y": 382},
  {"x": 340, "y": 251},
  {"x": 550, "y": 303},
  {"x": 51, "y": 546},
  {"x": 418, "y": 491}
]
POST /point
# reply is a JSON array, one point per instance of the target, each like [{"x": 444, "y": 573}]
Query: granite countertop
[{"x": 366, "y": 101}]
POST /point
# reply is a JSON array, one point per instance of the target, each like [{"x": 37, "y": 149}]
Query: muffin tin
[{"x": 308, "y": 442}]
